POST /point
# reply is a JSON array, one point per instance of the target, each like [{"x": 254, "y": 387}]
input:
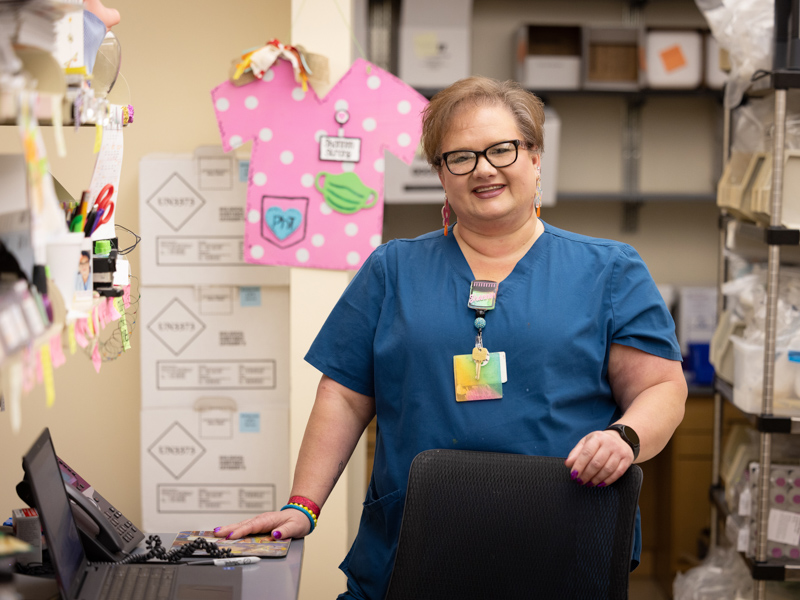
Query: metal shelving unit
[{"x": 775, "y": 237}]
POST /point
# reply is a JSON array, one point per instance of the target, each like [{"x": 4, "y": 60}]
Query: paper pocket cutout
[{"x": 284, "y": 220}]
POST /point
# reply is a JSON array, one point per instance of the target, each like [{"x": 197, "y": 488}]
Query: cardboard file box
[
  {"x": 674, "y": 59},
  {"x": 549, "y": 57},
  {"x": 435, "y": 42},
  {"x": 611, "y": 58},
  {"x": 717, "y": 64}
]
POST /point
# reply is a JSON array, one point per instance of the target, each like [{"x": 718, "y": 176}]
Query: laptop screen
[{"x": 63, "y": 541}]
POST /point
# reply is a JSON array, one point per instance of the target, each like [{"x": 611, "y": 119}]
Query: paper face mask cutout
[
  {"x": 308, "y": 157},
  {"x": 345, "y": 193}
]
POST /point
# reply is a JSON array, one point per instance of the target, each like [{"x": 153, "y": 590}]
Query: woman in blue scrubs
[{"x": 498, "y": 332}]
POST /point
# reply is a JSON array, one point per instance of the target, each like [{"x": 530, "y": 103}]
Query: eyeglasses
[{"x": 499, "y": 155}]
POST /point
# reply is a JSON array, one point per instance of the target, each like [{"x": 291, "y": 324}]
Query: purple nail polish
[
  {"x": 574, "y": 474},
  {"x": 590, "y": 484},
  {"x": 276, "y": 535},
  {"x": 216, "y": 529},
  {"x": 601, "y": 484},
  {"x": 227, "y": 537},
  {"x": 579, "y": 480}
]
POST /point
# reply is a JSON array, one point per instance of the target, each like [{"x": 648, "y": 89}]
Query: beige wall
[{"x": 173, "y": 53}]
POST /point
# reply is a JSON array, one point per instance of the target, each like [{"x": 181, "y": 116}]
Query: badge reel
[{"x": 480, "y": 375}]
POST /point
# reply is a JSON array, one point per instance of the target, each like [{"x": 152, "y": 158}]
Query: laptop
[{"x": 80, "y": 580}]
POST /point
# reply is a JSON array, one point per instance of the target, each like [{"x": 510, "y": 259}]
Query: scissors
[{"x": 104, "y": 206}]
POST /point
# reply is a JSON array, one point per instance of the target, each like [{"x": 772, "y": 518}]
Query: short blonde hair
[{"x": 526, "y": 108}]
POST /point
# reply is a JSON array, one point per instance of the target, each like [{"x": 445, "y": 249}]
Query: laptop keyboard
[{"x": 138, "y": 582}]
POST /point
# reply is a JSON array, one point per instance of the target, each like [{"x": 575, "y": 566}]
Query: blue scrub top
[{"x": 397, "y": 326}]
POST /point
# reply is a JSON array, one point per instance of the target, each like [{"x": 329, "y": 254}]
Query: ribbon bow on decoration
[{"x": 260, "y": 60}]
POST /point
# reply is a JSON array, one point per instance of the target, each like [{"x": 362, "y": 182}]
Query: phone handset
[{"x": 96, "y": 526}]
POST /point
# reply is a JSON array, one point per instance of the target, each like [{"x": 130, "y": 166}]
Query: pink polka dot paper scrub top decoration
[{"x": 315, "y": 184}]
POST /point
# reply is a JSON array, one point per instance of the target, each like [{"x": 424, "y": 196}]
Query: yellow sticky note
[
  {"x": 426, "y": 44},
  {"x": 47, "y": 374},
  {"x": 119, "y": 304},
  {"x": 73, "y": 346},
  {"x": 90, "y": 324},
  {"x": 98, "y": 137}
]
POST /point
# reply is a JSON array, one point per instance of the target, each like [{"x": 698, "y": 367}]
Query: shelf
[
  {"x": 762, "y": 423},
  {"x": 635, "y": 95},
  {"x": 763, "y": 571},
  {"x": 640, "y": 197}
]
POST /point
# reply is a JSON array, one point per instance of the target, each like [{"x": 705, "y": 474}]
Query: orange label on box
[{"x": 672, "y": 58}]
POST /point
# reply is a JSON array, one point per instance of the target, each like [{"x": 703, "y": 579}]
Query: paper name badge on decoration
[
  {"x": 345, "y": 193},
  {"x": 339, "y": 149}
]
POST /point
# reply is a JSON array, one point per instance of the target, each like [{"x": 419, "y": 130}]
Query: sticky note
[
  {"x": 672, "y": 58},
  {"x": 123, "y": 324},
  {"x": 249, "y": 422},
  {"x": 244, "y": 169},
  {"x": 57, "y": 351},
  {"x": 98, "y": 137},
  {"x": 426, "y": 45},
  {"x": 126, "y": 296},
  {"x": 96, "y": 360},
  {"x": 90, "y": 324},
  {"x": 250, "y": 296},
  {"x": 73, "y": 346},
  {"x": 80, "y": 333},
  {"x": 47, "y": 372}
]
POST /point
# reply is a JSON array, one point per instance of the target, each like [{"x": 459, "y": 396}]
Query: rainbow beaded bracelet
[{"x": 306, "y": 511}]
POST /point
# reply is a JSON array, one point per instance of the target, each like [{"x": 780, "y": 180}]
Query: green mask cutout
[{"x": 345, "y": 193}]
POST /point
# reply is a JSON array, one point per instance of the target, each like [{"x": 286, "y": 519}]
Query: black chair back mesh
[{"x": 485, "y": 525}]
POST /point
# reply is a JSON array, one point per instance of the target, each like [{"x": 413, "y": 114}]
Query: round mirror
[{"x": 106, "y": 65}]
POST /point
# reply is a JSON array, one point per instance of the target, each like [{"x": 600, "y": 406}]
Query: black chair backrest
[{"x": 485, "y": 525}]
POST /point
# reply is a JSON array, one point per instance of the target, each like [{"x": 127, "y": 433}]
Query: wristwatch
[{"x": 628, "y": 436}]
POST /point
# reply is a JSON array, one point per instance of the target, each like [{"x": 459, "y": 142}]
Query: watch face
[{"x": 631, "y": 435}]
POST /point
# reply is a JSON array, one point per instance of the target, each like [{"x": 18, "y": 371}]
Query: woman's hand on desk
[{"x": 280, "y": 525}]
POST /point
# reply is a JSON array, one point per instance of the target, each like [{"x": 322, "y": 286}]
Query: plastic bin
[{"x": 749, "y": 376}]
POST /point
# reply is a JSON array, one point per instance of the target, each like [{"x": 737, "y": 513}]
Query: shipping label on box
[
  {"x": 214, "y": 341},
  {"x": 192, "y": 213},
  {"x": 220, "y": 461}
]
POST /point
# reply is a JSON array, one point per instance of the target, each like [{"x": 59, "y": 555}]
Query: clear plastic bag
[
  {"x": 745, "y": 29},
  {"x": 722, "y": 576}
]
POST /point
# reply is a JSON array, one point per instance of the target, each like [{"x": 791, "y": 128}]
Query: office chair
[{"x": 486, "y": 525}]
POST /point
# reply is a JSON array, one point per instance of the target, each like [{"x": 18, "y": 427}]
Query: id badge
[{"x": 488, "y": 385}]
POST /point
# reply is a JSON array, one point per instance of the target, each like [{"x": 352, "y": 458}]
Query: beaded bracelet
[
  {"x": 303, "y": 501},
  {"x": 311, "y": 518}
]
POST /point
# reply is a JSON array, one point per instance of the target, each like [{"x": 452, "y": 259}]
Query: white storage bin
[
  {"x": 674, "y": 59},
  {"x": 749, "y": 374},
  {"x": 716, "y": 58}
]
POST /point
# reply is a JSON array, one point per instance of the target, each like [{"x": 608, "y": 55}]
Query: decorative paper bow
[{"x": 260, "y": 60}]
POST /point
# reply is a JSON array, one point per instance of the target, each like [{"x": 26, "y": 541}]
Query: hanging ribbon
[{"x": 259, "y": 61}]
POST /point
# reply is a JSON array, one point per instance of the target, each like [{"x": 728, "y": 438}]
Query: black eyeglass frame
[{"x": 478, "y": 153}]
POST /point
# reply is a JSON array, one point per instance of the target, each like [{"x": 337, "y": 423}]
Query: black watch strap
[{"x": 628, "y": 436}]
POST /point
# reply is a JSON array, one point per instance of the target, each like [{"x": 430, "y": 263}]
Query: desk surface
[{"x": 281, "y": 576}]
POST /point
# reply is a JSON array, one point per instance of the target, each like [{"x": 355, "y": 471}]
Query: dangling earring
[
  {"x": 446, "y": 215},
  {"x": 537, "y": 199}
]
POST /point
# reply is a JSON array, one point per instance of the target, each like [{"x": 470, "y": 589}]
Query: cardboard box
[
  {"x": 674, "y": 59},
  {"x": 214, "y": 341},
  {"x": 612, "y": 58},
  {"x": 192, "y": 213},
  {"x": 27, "y": 527},
  {"x": 213, "y": 463},
  {"x": 717, "y": 64},
  {"x": 549, "y": 57},
  {"x": 435, "y": 42}
]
